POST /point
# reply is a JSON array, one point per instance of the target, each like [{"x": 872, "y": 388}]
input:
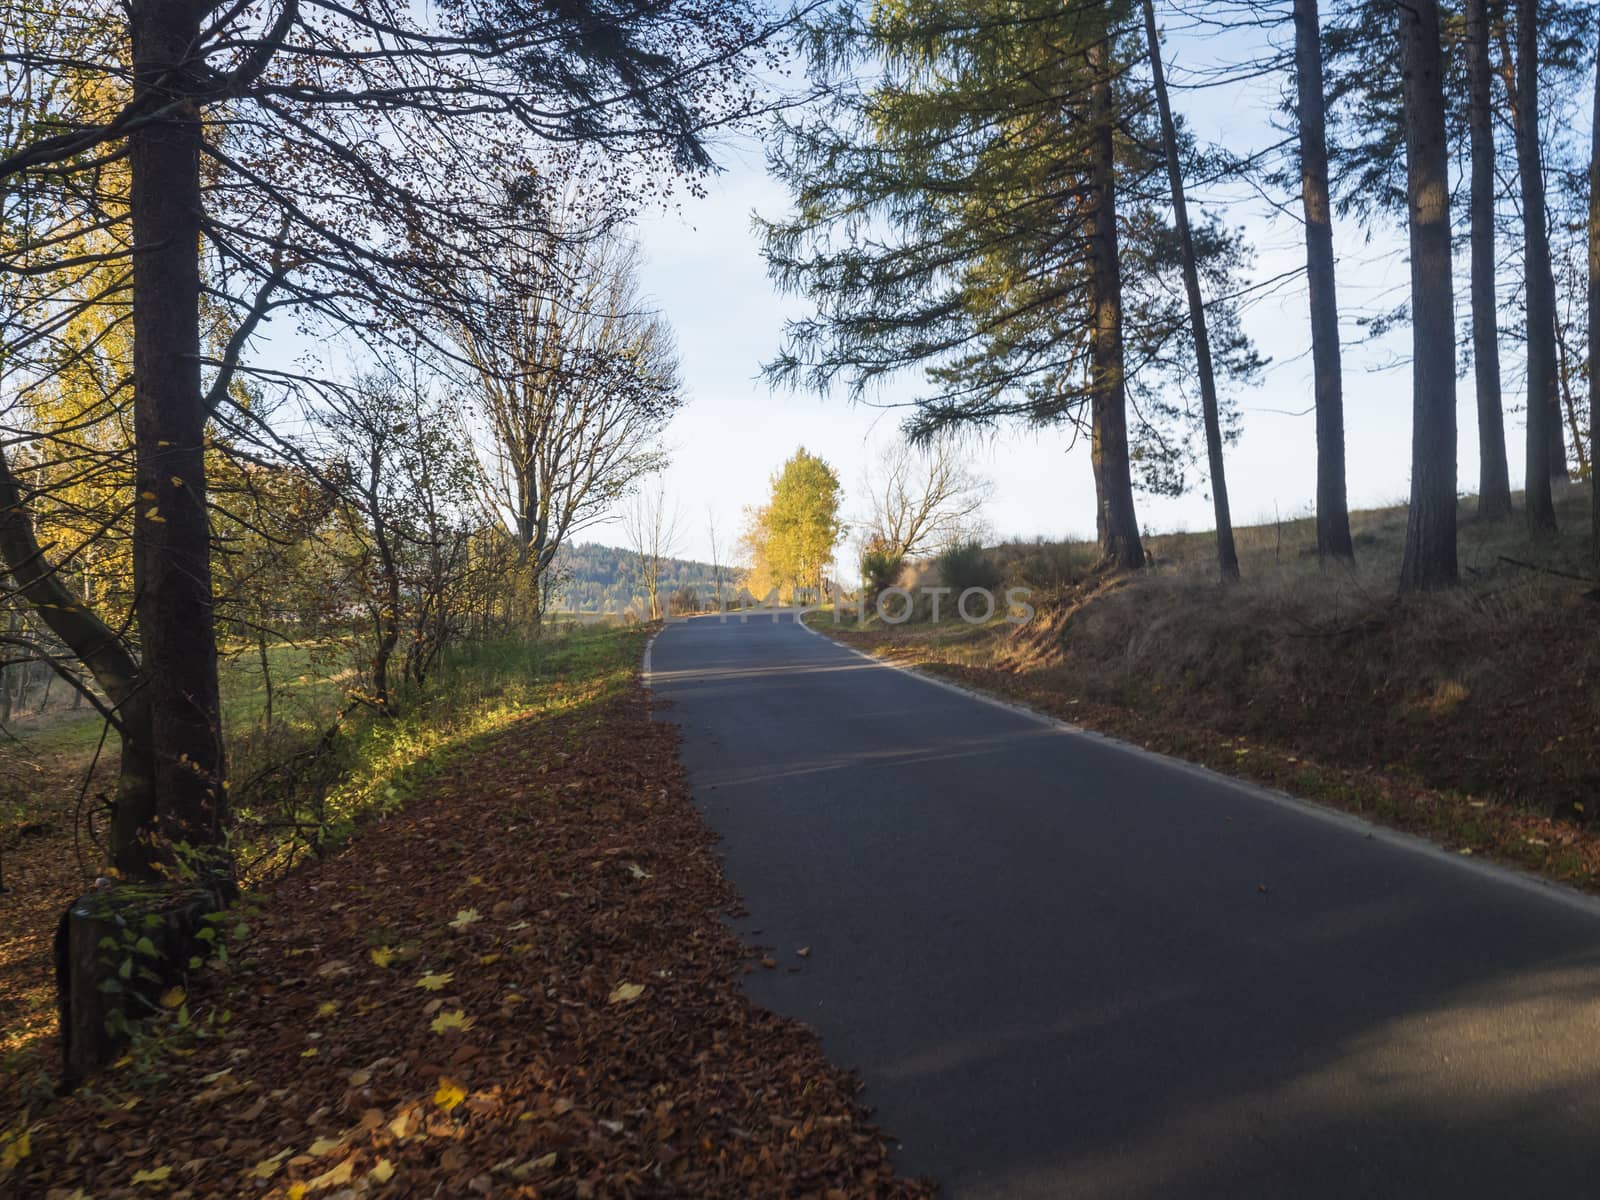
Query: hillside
[{"x": 605, "y": 579}]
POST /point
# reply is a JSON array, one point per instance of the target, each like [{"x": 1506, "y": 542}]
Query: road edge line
[{"x": 1506, "y": 873}]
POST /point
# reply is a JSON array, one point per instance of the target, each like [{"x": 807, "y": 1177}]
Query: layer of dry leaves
[{"x": 519, "y": 986}]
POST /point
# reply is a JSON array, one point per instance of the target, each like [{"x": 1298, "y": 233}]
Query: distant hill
[{"x": 596, "y": 578}]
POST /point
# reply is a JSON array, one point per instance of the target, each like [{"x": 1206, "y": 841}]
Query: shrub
[
  {"x": 967, "y": 565},
  {"x": 1046, "y": 566},
  {"x": 880, "y": 566}
]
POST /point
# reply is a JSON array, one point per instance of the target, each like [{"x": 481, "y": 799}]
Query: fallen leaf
[
  {"x": 452, "y": 1020},
  {"x": 626, "y": 993},
  {"x": 154, "y": 1175},
  {"x": 464, "y": 918},
  {"x": 433, "y": 982},
  {"x": 381, "y": 955},
  {"x": 173, "y": 997},
  {"x": 449, "y": 1095},
  {"x": 382, "y": 1171},
  {"x": 334, "y": 1176}
]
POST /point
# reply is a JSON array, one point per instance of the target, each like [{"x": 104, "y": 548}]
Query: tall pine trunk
[
  {"x": 1333, "y": 513},
  {"x": 172, "y": 539},
  {"x": 1117, "y": 523},
  {"x": 1544, "y": 422},
  {"x": 1430, "y": 551},
  {"x": 1494, "y": 479},
  {"x": 1594, "y": 326},
  {"x": 1227, "y": 555}
]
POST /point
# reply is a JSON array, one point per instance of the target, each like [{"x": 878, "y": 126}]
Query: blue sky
[{"x": 705, "y": 271}]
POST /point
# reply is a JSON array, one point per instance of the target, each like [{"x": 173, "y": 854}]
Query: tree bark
[
  {"x": 1594, "y": 327},
  {"x": 1117, "y": 523},
  {"x": 1430, "y": 550},
  {"x": 1333, "y": 513},
  {"x": 1227, "y": 555},
  {"x": 171, "y": 530},
  {"x": 1494, "y": 479},
  {"x": 1544, "y": 422}
]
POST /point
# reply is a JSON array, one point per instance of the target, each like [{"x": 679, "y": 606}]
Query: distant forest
[{"x": 595, "y": 578}]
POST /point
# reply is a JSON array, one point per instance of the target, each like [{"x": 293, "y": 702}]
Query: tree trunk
[
  {"x": 266, "y": 679},
  {"x": 1494, "y": 479},
  {"x": 1333, "y": 513},
  {"x": 1117, "y": 523},
  {"x": 1594, "y": 328},
  {"x": 1227, "y": 555},
  {"x": 1430, "y": 552},
  {"x": 172, "y": 536},
  {"x": 1539, "y": 283},
  {"x": 97, "y": 647}
]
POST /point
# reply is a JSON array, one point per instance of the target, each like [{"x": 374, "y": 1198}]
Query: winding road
[{"x": 1065, "y": 967}]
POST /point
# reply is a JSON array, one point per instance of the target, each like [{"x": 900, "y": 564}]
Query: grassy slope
[{"x": 1468, "y": 716}]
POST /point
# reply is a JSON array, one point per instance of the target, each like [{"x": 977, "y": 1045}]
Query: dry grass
[{"x": 1491, "y": 689}]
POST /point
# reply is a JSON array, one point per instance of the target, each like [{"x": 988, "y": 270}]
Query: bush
[
  {"x": 967, "y": 565},
  {"x": 880, "y": 566},
  {"x": 1046, "y": 566},
  {"x": 683, "y": 602}
]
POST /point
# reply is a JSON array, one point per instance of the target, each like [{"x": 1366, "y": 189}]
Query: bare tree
[
  {"x": 716, "y": 560},
  {"x": 652, "y": 531},
  {"x": 575, "y": 380},
  {"x": 924, "y": 497}
]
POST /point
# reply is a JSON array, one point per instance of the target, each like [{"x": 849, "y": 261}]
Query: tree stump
[{"x": 117, "y": 949}]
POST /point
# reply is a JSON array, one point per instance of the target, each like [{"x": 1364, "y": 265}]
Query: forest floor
[
  {"x": 1468, "y": 717},
  {"x": 519, "y": 982}
]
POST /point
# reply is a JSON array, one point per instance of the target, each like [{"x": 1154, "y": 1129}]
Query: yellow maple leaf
[
  {"x": 311, "y": 1053},
  {"x": 626, "y": 993},
  {"x": 154, "y": 1175},
  {"x": 449, "y": 1095},
  {"x": 381, "y": 955},
  {"x": 382, "y": 1171},
  {"x": 453, "y": 1020},
  {"x": 433, "y": 982},
  {"x": 464, "y": 918},
  {"x": 334, "y": 1176},
  {"x": 297, "y": 1191}
]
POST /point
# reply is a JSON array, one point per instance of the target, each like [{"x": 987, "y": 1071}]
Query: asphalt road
[{"x": 1065, "y": 967}]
